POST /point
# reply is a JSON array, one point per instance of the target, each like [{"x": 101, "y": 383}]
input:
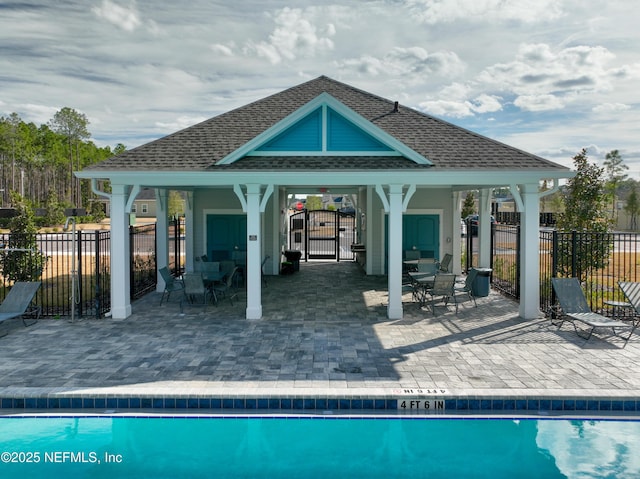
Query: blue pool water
[{"x": 317, "y": 447}]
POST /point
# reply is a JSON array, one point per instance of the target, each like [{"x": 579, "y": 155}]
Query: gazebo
[{"x": 406, "y": 170}]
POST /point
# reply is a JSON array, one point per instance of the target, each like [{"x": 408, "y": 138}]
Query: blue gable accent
[
  {"x": 323, "y": 130},
  {"x": 305, "y": 135},
  {"x": 324, "y": 127},
  {"x": 343, "y": 135}
]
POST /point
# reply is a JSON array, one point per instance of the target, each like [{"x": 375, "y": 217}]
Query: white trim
[
  {"x": 265, "y": 197},
  {"x": 407, "y": 197},
  {"x": 132, "y": 193},
  {"x": 323, "y": 153},
  {"x": 464, "y": 180},
  {"x": 324, "y": 128}
]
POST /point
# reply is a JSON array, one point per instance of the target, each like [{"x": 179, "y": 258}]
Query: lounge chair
[
  {"x": 631, "y": 291},
  {"x": 18, "y": 303},
  {"x": 576, "y": 309},
  {"x": 171, "y": 284}
]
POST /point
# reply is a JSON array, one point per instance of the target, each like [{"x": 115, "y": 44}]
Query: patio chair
[
  {"x": 442, "y": 289},
  {"x": 445, "y": 263},
  {"x": 227, "y": 288},
  {"x": 466, "y": 288},
  {"x": 575, "y": 307},
  {"x": 264, "y": 261},
  {"x": 410, "y": 255},
  {"x": 195, "y": 290},
  {"x": 171, "y": 284},
  {"x": 18, "y": 303},
  {"x": 427, "y": 265}
]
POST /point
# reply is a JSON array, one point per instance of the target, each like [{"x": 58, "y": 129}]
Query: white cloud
[
  {"x": 180, "y": 123},
  {"x": 611, "y": 107},
  {"x": 537, "y": 69},
  {"x": 225, "y": 50},
  {"x": 295, "y": 35},
  {"x": 538, "y": 102},
  {"x": 413, "y": 64},
  {"x": 450, "y": 108},
  {"x": 126, "y": 18},
  {"x": 449, "y": 11},
  {"x": 486, "y": 104}
]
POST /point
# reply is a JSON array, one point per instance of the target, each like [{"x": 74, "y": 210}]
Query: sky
[{"x": 547, "y": 76}]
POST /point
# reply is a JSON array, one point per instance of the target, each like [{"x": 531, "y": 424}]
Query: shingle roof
[{"x": 200, "y": 147}]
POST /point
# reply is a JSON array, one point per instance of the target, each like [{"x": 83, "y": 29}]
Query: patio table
[
  {"x": 421, "y": 283},
  {"x": 620, "y": 309}
]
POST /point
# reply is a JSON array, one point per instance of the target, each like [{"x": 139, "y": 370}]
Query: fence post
[
  {"x": 96, "y": 248},
  {"x": 132, "y": 281},
  {"x": 176, "y": 246},
  {"x": 80, "y": 299},
  {"x": 554, "y": 254},
  {"x": 518, "y": 256},
  {"x": 574, "y": 247}
]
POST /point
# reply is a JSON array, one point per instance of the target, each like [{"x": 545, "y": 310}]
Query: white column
[
  {"x": 456, "y": 238},
  {"x": 253, "y": 276},
  {"x": 530, "y": 252},
  {"x": 120, "y": 256},
  {"x": 484, "y": 229},
  {"x": 394, "y": 309},
  {"x": 162, "y": 235}
]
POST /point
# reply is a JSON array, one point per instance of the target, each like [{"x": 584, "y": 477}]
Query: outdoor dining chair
[
  {"x": 171, "y": 284},
  {"x": 466, "y": 288},
  {"x": 445, "y": 263},
  {"x": 195, "y": 290},
  {"x": 227, "y": 288},
  {"x": 442, "y": 290}
]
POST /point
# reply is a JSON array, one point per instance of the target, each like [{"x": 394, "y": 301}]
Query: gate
[{"x": 322, "y": 234}]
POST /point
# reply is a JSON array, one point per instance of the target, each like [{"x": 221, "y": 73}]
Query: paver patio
[{"x": 324, "y": 333}]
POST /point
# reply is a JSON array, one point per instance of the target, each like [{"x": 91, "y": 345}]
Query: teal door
[
  {"x": 421, "y": 232},
  {"x": 225, "y": 233}
]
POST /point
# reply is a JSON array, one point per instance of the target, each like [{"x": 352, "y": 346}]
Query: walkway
[{"x": 324, "y": 338}]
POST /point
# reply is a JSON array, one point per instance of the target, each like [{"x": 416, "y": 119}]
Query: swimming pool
[{"x": 317, "y": 446}]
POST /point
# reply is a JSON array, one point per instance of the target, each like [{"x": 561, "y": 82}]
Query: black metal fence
[
  {"x": 600, "y": 260},
  {"x": 513, "y": 218},
  {"x": 90, "y": 292}
]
